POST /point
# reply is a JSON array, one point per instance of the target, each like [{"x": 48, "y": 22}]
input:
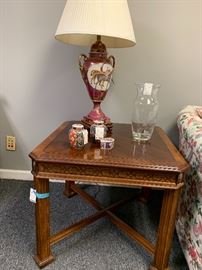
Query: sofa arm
[
  {"x": 190, "y": 131},
  {"x": 189, "y": 216}
]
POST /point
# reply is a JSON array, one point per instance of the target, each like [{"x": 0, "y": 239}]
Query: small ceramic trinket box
[{"x": 107, "y": 143}]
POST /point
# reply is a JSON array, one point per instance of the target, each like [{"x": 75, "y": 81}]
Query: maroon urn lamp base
[{"x": 96, "y": 71}]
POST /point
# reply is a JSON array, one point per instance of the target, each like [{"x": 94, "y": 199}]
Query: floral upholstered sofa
[{"x": 189, "y": 218}]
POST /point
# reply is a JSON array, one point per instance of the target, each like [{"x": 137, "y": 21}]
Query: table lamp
[{"x": 99, "y": 24}]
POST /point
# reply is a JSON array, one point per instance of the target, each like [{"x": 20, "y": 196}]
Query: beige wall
[{"x": 40, "y": 84}]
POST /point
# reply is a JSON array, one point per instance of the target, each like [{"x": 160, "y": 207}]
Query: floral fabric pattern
[{"x": 189, "y": 216}]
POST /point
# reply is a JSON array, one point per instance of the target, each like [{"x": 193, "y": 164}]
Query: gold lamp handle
[
  {"x": 82, "y": 59},
  {"x": 112, "y": 60}
]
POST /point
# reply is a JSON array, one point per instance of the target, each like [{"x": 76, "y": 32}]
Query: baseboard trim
[
  {"x": 16, "y": 174},
  {"x": 20, "y": 175}
]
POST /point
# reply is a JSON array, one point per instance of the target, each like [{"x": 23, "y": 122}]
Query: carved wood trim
[{"x": 108, "y": 175}]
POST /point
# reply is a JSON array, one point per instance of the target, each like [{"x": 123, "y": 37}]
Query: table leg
[
  {"x": 68, "y": 191},
  {"x": 166, "y": 229},
  {"x": 42, "y": 215}
]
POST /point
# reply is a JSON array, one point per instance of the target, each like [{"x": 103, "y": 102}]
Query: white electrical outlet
[{"x": 10, "y": 143}]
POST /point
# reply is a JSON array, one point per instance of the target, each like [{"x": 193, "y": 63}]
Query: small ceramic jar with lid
[
  {"x": 78, "y": 136},
  {"x": 98, "y": 130}
]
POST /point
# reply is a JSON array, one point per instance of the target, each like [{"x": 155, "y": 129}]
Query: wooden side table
[{"x": 156, "y": 164}]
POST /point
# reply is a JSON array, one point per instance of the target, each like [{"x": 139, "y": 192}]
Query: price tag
[
  {"x": 85, "y": 136},
  {"x": 99, "y": 133},
  {"x": 32, "y": 195},
  {"x": 147, "y": 89}
]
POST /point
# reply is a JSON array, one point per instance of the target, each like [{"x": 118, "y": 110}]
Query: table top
[{"x": 158, "y": 154}]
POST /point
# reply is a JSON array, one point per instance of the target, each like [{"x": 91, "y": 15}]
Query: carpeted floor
[{"x": 100, "y": 246}]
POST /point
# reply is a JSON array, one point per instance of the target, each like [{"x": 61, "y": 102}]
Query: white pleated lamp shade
[{"x": 83, "y": 20}]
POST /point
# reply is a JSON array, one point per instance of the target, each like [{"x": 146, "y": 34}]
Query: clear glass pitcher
[{"x": 144, "y": 111}]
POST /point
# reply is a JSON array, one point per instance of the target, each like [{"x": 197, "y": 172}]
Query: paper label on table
[
  {"x": 85, "y": 136},
  {"x": 32, "y": 195},
  {"x": 147, "y": 89},
  {"x": 99, "y": 133}
]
